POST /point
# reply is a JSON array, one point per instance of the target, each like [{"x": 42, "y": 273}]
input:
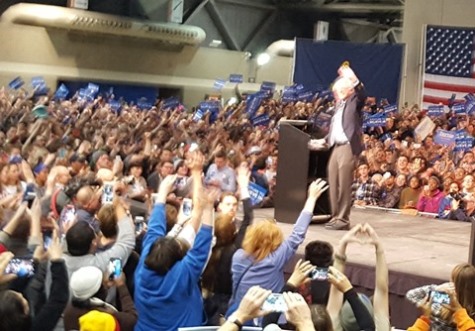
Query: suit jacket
[{"x": 352, "y": 119}]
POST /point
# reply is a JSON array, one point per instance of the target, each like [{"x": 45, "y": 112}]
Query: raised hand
[
  {"x": 251, "y": 303},
  {"x": 195, "y": 161},
  {"x": 339, "y": 280},
  {"x": 372, "y": 236},
  {"x": 301, "y": 273},
  {"x": 298, "y": 312},
  {"x": 316, "y": 188},
  {"x": 243, "y": 174},
  {"x": 4, "y": 260},
  {"x": 353, "y": 235},
  {"x": 55, "y": 250}
]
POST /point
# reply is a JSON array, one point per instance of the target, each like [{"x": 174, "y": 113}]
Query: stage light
[{"x": 263, "y": 59}]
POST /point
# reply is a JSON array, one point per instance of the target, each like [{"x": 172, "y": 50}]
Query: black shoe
[{"x": 337, "y": 225}]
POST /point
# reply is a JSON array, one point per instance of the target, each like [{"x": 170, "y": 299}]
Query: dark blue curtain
[{"x": 377, "y": 65}]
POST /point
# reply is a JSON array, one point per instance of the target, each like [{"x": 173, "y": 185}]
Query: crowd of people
[{"x": 129, "y": 218}]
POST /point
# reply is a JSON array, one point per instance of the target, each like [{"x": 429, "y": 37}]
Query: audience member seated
[
  {"x": 220, "y": 175},
  {"x": 431, "y": 195},
  {"x": 410, "y": 195},
  {"x": 364, "y": 190},
  {"x": 389, "y": 193}
]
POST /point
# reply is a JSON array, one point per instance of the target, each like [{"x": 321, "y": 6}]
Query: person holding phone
[
  {"x": 89, "y": 292},
  {"x": 15, "y": 311}
]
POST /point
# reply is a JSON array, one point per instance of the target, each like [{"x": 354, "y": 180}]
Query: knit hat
[
  {"x": 96, "y": 320},
  {"x": 85, "y": 282},
  {"x": 436, "y": 179},
  {"x": 347, "y": 317}
]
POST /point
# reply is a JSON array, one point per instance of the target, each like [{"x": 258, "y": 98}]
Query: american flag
[{"x": 449, "y": 64}]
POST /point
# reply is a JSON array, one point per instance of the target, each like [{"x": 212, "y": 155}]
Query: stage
[{"x": 419, "y": 251}]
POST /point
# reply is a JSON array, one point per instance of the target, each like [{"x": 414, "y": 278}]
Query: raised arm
[
  {"x": 12, "y": 225},
  {"x": 243, "y": 182},
  {"x": 290, "y": 245},
  {"x": 340, "y": 281},
  {"x": 335, "y": 300},
  {"x": 381, "y": 291},
  {"x": 195, "y": 164}
]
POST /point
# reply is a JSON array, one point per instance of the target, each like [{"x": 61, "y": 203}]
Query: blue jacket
[{"x": 174, "y": 299}]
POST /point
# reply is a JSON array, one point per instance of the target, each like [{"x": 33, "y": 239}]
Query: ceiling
[{"x": 251, "y": 25}]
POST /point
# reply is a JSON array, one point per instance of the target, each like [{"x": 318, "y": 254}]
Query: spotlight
[{"x": 263, "y": 59}]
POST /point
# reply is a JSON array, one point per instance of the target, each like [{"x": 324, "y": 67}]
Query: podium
[{"x": 297, "y": 168}]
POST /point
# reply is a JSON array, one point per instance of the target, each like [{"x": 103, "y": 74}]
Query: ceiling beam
[
  {"x": 360, "y": 8},
  {"x": 261, "y": 27},
  {"x": 249, "y": 4},
  {"x": 221, "y": 26},
  {"x": 195, "y": 11}
]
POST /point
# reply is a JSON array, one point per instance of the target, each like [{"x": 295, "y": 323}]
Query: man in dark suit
[{"x": 344, "y": 138}]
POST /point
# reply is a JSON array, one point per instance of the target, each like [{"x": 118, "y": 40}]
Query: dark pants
[{"x": 340, "y": 178}]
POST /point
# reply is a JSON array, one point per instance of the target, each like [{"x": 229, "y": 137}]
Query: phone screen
[
  {"x": 440, "y": 297},
  {"x": 108, "y": 193},
  {"x": 47, "y": 239},
  {"x": 319, "y": 274},
  {"x": 115, "y": 268},
  {"x": 275, "y": 302},
  {"x": 20, "y": 267},
  {"x": 187, "y": 207},
  {"x": 67, "y": 217},
  {"x": 139, "y": 224}
]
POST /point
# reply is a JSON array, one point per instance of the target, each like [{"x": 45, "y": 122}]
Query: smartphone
[
  {"x": 47, "y": 239},
  {"x": 440, "y": 297},
  {"x": 139, "y": 224},
  {"x": 68, "y": 216},
  {"x": 108, "y": 193},
  {"x": 115, "y": 268},
  {"x": 319, "y": 274},
  {"x": 29, "y": 195},
  {"x": 187, "y": 207},
  {"x": 275, "y": 302},
  {"x": 22, "y": 267}
]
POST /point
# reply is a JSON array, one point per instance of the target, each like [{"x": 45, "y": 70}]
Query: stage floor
[{"x": 413, "y": 244}]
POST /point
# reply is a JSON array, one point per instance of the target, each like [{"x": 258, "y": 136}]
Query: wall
[
  {"x": 31, "y": 51},
  {"x": 417, "y": 13}
]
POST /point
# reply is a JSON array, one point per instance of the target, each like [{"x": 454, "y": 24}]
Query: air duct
[
  {"x": 98, "y": 23},
  {"x": 281, "y": 48}
]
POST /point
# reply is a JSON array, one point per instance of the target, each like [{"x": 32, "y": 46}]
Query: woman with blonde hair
[{"x": 264, "y": 251}]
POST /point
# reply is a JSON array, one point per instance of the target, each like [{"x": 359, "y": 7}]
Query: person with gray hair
[{"x": 344, "y": 138}]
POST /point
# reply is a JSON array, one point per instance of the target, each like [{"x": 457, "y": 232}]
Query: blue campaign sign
[
  {"x": 170, "y": 103},
  {"x": 61, "y": 93},
  {"x": 470, "y": 107},
  {"x": 38, "y": 82},
  {"x": 390, "y": 109},
  {"x": 458, "y": 108},
  {"x": 444, "y": 137},
  {"x": 326, "y": 95},
  {"x": 198, "y": 115},
  {"x": 84, "y": 96},
  {"x": 463, "y": 144},
  {"x": 16, "y": 83},
  {"x": 305, "y": 96},
  {"x": 144, "y": 104},
  {"x": 236, "y": 78},
  {"x": 376, "y": 120},
  {"x": 268, "y": 86},
  {"x": 115, "y": 105},
  {"x": 435, "y": 110},
  {"x": 460, "y": 134},
  {"x": 385, "y": 137},
  {"x": 253, "y": 103},
  {"x": 261, "y": 120},
  {"x": 219, "y": 84},
  {"x": 257, "y": 193},
  {"x": 469, "y": 97},
  {"x": 92, "y": 89}
]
